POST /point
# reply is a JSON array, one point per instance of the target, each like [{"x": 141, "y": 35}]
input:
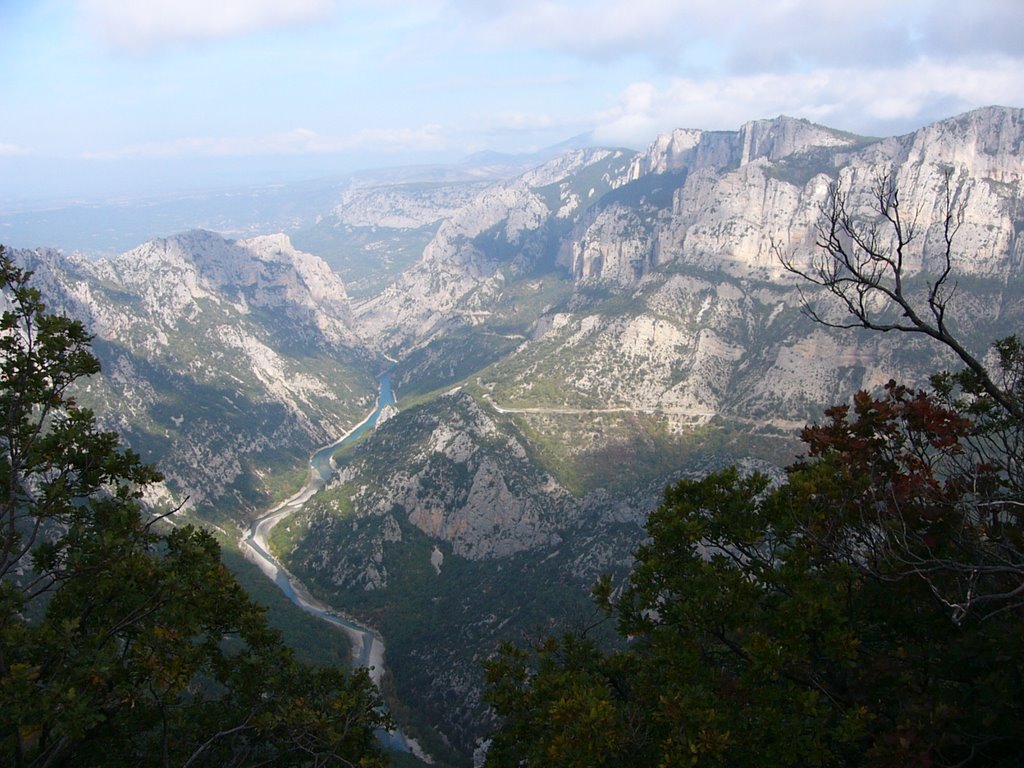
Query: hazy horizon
[{"x": 104, "y": 98}]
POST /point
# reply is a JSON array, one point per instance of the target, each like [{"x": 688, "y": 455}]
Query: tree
[
  {"x": 121, "y": 644},
  {"x": 790, "y": 625},
  {"x": 863, "y": 262}
]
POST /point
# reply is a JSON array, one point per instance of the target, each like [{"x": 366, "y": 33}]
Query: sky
[{"x": 101, "y": 98}]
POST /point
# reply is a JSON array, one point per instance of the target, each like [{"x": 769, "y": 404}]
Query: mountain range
[{"x": 563, "y": 342}]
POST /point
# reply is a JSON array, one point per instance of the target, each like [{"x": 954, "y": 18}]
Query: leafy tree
[
  {"x": 120, "y": 644},
  {"x": 795, "y": 625}
]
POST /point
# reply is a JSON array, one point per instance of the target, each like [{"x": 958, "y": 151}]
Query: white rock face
[
  {"x": 172, "y": 276},
  {"x": 458, "y": 479},
  {"x": 738, "y": 199},
  {"x": 481, "y": 517},
  {"x": 710, "y": 321},
  {"x": 403, "y": 206},
  {"x": 605, "y": 254},
  {"x": 742, "y": 193},
  {"x": 214, "y": 351},
  {"x": 667, "y": 153},
  {"x": 456, "y": 268}
]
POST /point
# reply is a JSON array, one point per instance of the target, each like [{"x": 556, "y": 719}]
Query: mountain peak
[
  {"x": 992, "y": 115},
  {"x": 779, "y": 137}
]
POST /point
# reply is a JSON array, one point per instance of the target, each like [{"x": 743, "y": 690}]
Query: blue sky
[{"x": 120, "y": 97}]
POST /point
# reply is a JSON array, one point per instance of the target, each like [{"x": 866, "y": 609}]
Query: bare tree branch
[{"x": 863, "y": 264}]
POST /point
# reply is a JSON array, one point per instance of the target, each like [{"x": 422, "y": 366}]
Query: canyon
[{"x": 563, "y": 342}]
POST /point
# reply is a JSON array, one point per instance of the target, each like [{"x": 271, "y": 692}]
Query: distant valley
[{"x": 565, "y": 336}]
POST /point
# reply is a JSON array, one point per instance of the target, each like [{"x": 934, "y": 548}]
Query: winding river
[{"x": 367, "y": 646}]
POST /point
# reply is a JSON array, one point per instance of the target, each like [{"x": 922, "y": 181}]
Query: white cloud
[
  {"x": 600, "y": 28},
  {"x": 518, "y": 122},
  {"x": 137, "y": 26},
  {"x": 753, "y": 35},
  {"x": 880, "y": 102},
  {"x": 12, "y": 150},
  {"x": 988, "y": 25},
  {"x": 299, "y": 141}
]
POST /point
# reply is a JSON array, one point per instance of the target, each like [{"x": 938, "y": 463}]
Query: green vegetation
[
  {"x": 865, "y": 612},
  {"x": 799, "y": 168},
  {"x": 625, "y": 451},
  {"x": 120, "y": 645},
  {"x": 288, "y": 533},
  {"x": 198, "y": 392},
  {"x": 650, "y": 192},
  {"x": 439, "y": 625},
  {"x": 312, "y": 640},
  {"x": 284, "y": 483},
  {"x": 523, "y": 301},
  {"x": 455, "y": 357},
  {"x": 590, "y": 183}
]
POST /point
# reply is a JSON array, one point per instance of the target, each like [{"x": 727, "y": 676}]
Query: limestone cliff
[
  {"x": 223, "y": 360},
  {"x": 499, "y": 234},
  {"x": 737, "y": 194}
]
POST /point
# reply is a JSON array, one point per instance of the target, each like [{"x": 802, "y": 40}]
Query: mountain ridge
[
  {"x": 649, "y": 333},
  {"x": 564, "y": 343},
  {"x": 216, "y": 352}
]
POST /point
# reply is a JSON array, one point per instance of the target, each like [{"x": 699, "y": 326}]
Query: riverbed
[{"x": 367, "y": 645}]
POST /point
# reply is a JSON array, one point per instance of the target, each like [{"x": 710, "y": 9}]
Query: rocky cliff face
[
  {"x": 508, "y": 226},
  {"x": 613, "y": 321},
  {"x": 457, "y": 477},
  {"x": 740, "y": 193},
  {"x": 172, "y": 280},
  {"x": 685, "y": 150},
  {"x": 404, "y": 206},
  {"x": 573, "y": 338},
  {"x": 223, "y": 360},
  {"x": 688, "y": 239}
]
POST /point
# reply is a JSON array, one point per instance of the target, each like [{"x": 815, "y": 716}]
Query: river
[{"x": 367, "y": 645}]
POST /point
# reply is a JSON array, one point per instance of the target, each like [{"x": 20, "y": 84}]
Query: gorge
[{"x": 563, "y": 343}]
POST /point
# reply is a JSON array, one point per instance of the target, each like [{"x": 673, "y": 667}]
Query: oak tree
[{"x": 799, "y": 624}]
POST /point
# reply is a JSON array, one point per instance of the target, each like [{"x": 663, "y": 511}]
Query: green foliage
[
  {"x": 453, "y": 358},
  {"x": 120, "y": 645},
  {"x": 313, "y": 641},
  {"x": 432, "y": 682},
  {"x": 568, "y": 709},
  {"x": 800, "y": 168},
  {"x": 865, "y": 612}
]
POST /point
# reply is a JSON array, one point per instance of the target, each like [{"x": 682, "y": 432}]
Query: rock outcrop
[
  {"x": 501, "y": 233},
  {"x": 223, "y": 361}
]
